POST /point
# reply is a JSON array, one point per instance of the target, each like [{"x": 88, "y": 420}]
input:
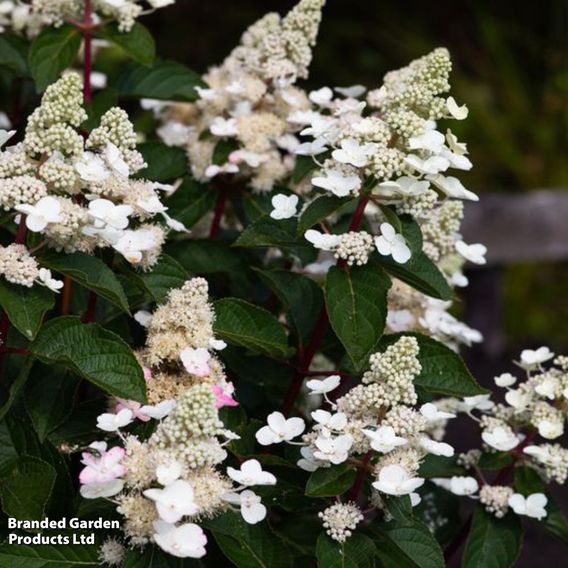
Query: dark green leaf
[
  {"x": 165, "y": 163},
  {"x": 48, "y": 556},
  {"x": 153, "y": 557},
  {"x": 49, "y": 398},
  {"x": 138, "y": 42},
  {"x": 249, "y": 546},
  {"x": 8, "y": 451},
  {"x": 101, "y": 103},
  {"x": 14, "y": 54},
  {"x": 443, "y": 370},
  {"x": 492, "y": 542},
  {"x": 25, "y": 491},
  {"x": 356, "y": 300},
  {"x": 408, "y": 545},
  {"x": 17, "y": 385},
  {"x": 165, "y": 80},
  {"x": 191, "y": 201},
  {"x": 497, "y": 460},
  {"x": 528, "y": 481},
  {"x": 93, "y": 352},
  {"x": 222, "y": 150},
  {"x": 241, "y": 323},
  {"x": 268, "y": 232},
  {"x": 167, "y": 274},
  {"x": 440, "y": 466},
  {"x": 301, "y": 296},
  {"x": 320, "y": 208},
  {"x": 25, "y": 307},
  {"x": 419, "y": 272},
  {"x": 51, "y": 52},
  {"x": 358, "y": 551},
  {"x": 91, "y": 273},
  {"x": 330, "y": 481},
  {"x": 304, "y": 165},
  {"x": 400, "y": 508}
]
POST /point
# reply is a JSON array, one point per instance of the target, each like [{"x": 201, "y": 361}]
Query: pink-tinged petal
[
  {"x": 88, "y": 475},
  {"x": 147, "y": 373}
]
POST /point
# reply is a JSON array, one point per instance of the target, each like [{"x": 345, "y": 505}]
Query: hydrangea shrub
[{"x": 232, "y": 334}]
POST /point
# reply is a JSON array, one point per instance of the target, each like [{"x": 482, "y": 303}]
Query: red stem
[
  {"x": 218, "y": 214},
  {"x": 91, "y": 308},
  {"x": 319, "y": 330}
]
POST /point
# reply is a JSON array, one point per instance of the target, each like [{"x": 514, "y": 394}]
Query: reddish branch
[
  {"x": 218, "y": 214},
  {"x": 319, "y": 331}
]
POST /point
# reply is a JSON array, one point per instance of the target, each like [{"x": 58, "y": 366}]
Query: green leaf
[
  {"x": 48, "y": 556},
  {"x": 92, "y": 352},
  {"x": 8, "y": 451},
  {"x": 14, "y": 54},
  {"x": 222, "y": 150},
  {"x": 400, "y": 508},
  {"x": 358, "y": 551},
  {"x": 138, "y": 42},
  {"x": 165, "y": 80},
  {"x": 241, "y": 323},
  {"x": 51, "y": 52},
  {"x": 492, "y": 542},
  {"x": 191, "y": 201},
  {"x": 17, "y": 385},
  {"x": 407, "y": 544},
  {"x": 301, "y": 296},
  {"x": 443, "y": 370},
  {"x": 153, "y": 557},
  {"x": 165, "y": 163},
  {"x": 25, "y": 491},
  {"x": 249, "y": 546},
  {"x": 102, "y": 102},
  {"x": 497, "y": 460},
  {"x": 330, "y": 481},
  {"x": 90, "y": 272},
  {"x": 25, "y": 307},
  {"x": 440, "y": 466},
  {"x": 528, "y": 481},
  {"x": 319, "y": 209},
  {"x": 419, "y": 272},
  {"x": 267, "y": 232},
  {"x": 167, "y": 274},
  {"x": 49, "y": 398},
  {"x": 356, "y": 300},
  {"x": 305, "y": 165}
]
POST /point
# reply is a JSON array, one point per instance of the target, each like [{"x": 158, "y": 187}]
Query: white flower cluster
[
  {"x": 77, "y": 193},
  {"x": 375, "y": 416},
  {"x": 164, "y": 485},
  {"x": 29, "y": 17},
  {"x": 248, "y": 102}
]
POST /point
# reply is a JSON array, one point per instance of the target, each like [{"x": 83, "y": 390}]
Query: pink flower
[
  {"x": 133, "y": 406},
  {"x": 223, "y": 397},
  {"x": 147, "y": 373},
  {"x": 102, "y": 468}
]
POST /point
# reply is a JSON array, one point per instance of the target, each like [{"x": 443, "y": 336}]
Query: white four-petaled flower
[
  {"x": 500, "y": 438},
  {"x": 284, "y": 206},
  {"x": 183, "y": 541},
  {"x": 354, "y": 153},
  {"x": 322, "y": 241},
  {"x": 46, "y": 210},
  {"x": 174, "y": 501},
  {"x": 463, "y": 485},
  {"x": 45, "y": 279},
  {"x": 531, "y": 506},
  {"x": 196, "y": 361},
  {"x": 279, "y": 429},
  {"x": 391, "y": 243},
  {"x": 337, "y": 183},
  {"x": 252, "y": 510},
  {"x": 474, "y": 253},
  {"x": 251, "y": 473},
  {"x": 431, "y": 413},
  {"x": 530, "y": 359},
  {"x": 335, "y": 450},
  {"x": 384, "y": 439},
  {"x": 323, "y": 386},
  {"x": 113, "y": 422},
  {"x": 395, "y": 480}
]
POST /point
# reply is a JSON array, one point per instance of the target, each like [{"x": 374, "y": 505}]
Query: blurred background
[{"x": 511, "y": 69}]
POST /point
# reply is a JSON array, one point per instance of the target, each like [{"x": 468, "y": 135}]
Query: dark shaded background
[{"x": 511, "y": 68}]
